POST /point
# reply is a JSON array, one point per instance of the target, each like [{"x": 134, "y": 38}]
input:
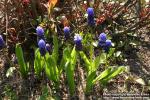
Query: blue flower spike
[
  {"x": 78, "y": 41},
  {"x": 66, "y": 32},
  {"x": 40, "y": 31},
  {"x": 108, "y": 43},
  {"x": 42, "y": 48},
  {"x": 90, "y": 19},
  {"x": 2, "y": 43},
  {"x": 102, "y": 37},
  {"x": 104, "y": 43},
  {"x": 90, "y": 11},
  {"x": 48, "y": 47}
]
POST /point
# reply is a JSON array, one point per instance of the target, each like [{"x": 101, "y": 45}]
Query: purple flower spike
[
  {"x": 102, "y": 37},
  {"x": 77, "y": 40},
  {"x": 40, "y": 31},
  {"x": 103, "y": 43},
  {"x": 90, "y": 11},
  {"x": 66, "y": 32},
  {"x": 42, "y": 45},
  {"x": 48, "y": 47},
  {"x": 90, "y": 19},
  {"x": 2, "y": 43},
  {"x": 108, "y": 43}
]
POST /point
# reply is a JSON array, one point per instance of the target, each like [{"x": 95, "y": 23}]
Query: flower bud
[
  {"x": 78, "y": 41},
  {"x": 42, "y": 45},
  {"x": 48, "y": 47},
  {"x": 102, "y": 37},
  {"x": 66, "y": 32},
  {"x": 103, "y": 43},
  {"x": 90, "y": 18},
  {"x": 90, "y": 11},
  {"x": 108, "y": 43},
  {"x": 40, "y": 31}
]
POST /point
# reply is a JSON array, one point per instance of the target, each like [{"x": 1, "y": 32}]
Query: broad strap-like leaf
[
  {"x": 111, "y": 52},
  {"x": 38, "y": 63},
  {"x": 51, "y": 68},
  {"x": 55, "y": 51},
  {"x": 113, "y": 74},
  {"x": 89, "y": 81},
  {"x": 70, "y": 77},
  {"x": 102, "y": 75},
  {"x": 85, "y": 59},
  {"x": 20, "y": 58},
  {"x": 103, "y": 58},
  {"x": 69, "y": 69},
  {"x": 65, "y": 58},
  {"x": 73, "y": 57}
]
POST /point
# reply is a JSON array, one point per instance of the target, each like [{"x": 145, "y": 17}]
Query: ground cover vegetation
[{"x": 73, "y": 49}]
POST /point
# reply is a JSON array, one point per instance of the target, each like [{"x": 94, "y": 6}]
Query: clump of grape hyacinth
[
  {"x": 40, "y": 32},
  {"x": 78, "y": 41},
  {"x": 2, "y": 43},
  {"x": 66, "y": 32},
  {"x": 90, "y": 19},
  {"x": 42, "y": 48},
  {"x": 104, "y": 42}
]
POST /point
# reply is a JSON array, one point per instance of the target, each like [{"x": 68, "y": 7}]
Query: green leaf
[
  {"x": 73, "y": 57},
  {"x": 96, "y": 62},
  {"x": 46, "y": 94},
  {"x": 102, "y": 75},
  {"x": 103, "y": 58},
  {"x": 38, "y": 63},
  {"x": 55, "y": 51},
  {"x": 111, "y": 52},
  {"x": 86, "y": 60},
  {"x": 89, "y": 81},
  {"x": 65, "y": 58},
  {"x": 69, "y": 69},
  {"x": 20, "y": 58},
  {"x": 66, "y": 54},
  {"x": 91, "y": 52},
  {"x": 51, "y": 68},
  {"x": 70, "y": 77},
  {"x": 113, "y": 74}
]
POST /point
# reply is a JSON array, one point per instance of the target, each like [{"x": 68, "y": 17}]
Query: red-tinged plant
[
  {"x": 100, "y": 19},
  {"x": 26, "y": 2},
  {"x": 144, "y": 12},
  {"x": 13, "y": 37},
  {"x": 64, "y": 21}
]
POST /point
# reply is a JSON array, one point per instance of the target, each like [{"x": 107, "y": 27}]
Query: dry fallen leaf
[{"x": 51, "y": 4}]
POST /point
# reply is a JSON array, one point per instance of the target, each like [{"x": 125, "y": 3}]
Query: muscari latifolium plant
[
  {"x": 93, "y": 62},
  {"x": 43, "y": 58},
  {"x": 48, "y": 62}
]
